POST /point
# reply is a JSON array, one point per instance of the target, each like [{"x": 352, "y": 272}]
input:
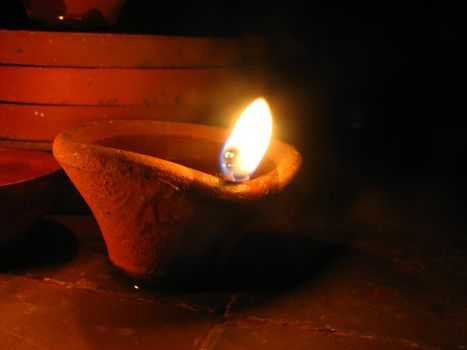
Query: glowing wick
[{"x": 248, "y": 142}]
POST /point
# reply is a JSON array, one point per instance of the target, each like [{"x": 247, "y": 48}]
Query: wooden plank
[
  {"x": 121, "y": 87},
  {"x": 35, "y": 122},
  {"x": 62, "y": 49}
]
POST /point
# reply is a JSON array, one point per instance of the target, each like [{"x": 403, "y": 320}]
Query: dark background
[{"x": 375, "y": 88}]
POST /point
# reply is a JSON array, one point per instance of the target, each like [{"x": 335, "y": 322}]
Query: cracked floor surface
[{"x": 384, "y": 271}]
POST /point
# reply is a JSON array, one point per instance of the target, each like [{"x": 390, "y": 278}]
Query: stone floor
[{"x": 383, "y": 271}]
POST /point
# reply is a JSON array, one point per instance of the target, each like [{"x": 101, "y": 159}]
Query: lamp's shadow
[
  {"x": 261, "y": 261},
  {"x": 47, "y": 243},
  {"x": 271, "y": 261}
]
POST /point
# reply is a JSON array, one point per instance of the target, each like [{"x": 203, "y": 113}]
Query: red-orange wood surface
[
  {"x": 120, "y": 87},
  {"x": 62, "y": 49},
  {"x": 36, "y": 122}
]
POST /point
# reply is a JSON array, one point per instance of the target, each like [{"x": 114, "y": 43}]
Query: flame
[{"x": 248, "y": 142}]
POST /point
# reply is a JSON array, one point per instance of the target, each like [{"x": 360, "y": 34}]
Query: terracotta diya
[
  {"x": 29, "y": 182},
  {"x": 74, "y": 14},
  {"x": 156, "y": 190}
]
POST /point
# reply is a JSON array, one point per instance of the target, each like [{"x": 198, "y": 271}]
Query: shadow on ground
[
  {"x": 261, "y": 262},
  {"x": 266, "y": 261},
  {"x": 48, "y": 243}
]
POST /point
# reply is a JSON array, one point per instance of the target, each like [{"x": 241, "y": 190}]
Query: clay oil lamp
[
  {"x": 163, "y": 202},
  {"x": 74, "y": 14},
  {"x": 29, "y": 182}
]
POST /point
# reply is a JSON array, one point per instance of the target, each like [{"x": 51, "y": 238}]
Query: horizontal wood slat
[
  {"x": 119, "y": 87},
  {"x": 66, "y": 49}
]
